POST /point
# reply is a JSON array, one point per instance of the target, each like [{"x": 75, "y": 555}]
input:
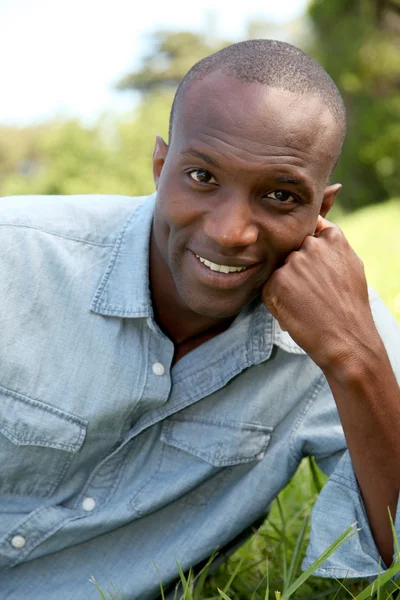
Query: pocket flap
[
  {"x": 28, "y": 422},
  {"x": 221, "y": 443}
]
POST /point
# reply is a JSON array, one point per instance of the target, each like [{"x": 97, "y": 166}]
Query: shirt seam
[
  {"x": 97, "y": 302},
  {"x": 184, "y": 376},
  {"x": 57, "y": 234},
  {"x": 314, "y": 393}
]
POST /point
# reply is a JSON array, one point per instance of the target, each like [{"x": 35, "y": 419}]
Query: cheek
[
  {"x": 286, "y": 234},
  {"x": 178, "y": 211}
]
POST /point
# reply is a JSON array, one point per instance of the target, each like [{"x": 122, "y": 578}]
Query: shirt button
[
  {"x": 89, "y": 504},
  {"x": 18, "y": 541},
  {"x": 158, "y": 369}
]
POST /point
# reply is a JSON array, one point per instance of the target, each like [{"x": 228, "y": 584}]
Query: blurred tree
[
  {"x": 172, "y": 55},
  {"x": 358, "y": 42},
  {"x": 112, "y": 157}
]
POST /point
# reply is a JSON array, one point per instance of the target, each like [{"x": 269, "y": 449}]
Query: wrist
[{"x": 360, "y": 360}]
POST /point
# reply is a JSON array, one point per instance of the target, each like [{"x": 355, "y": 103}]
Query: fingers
[{"x": 322, "y": 224}]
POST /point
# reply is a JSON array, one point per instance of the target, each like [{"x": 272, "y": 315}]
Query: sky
[{"x": 63, "y": 57}]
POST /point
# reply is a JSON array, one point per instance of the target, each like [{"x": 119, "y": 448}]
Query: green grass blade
[
  {"x": 223, "y": 595},
  {"x": 187, "y": 593},
  {"x": 383, "y": 578},
  {"x": 232, "y": 577},
  {"x": 284, "y": 543},
  {"x": 346, "y": 535},
  {"x": 201, "y": 578},
  {"x": 315, "y": 475},
  {"x": 259, "y": 584},
  {"x": 297, "y": 552},
  {"x": 92, "y": 580},
  {"x": 395, "y": 540},
  {"x": 266, "y": 597},
  {"x": 160, "y": 580},
  {"x": 378, "y": 581},
  {"x": 117, "y": 596},
  {"x": 341, "y": 584}
]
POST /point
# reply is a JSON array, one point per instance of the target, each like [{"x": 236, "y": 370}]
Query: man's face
[{"x": 238, "y": 189}]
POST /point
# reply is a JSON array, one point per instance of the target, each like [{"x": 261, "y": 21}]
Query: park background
[{"x": 88, "y": 85}]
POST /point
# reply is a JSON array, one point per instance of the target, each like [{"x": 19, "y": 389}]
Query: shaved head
[{"x": 274, "y": 64}]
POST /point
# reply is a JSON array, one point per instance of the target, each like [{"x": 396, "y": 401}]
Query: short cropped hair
[{"x": 271, "y": 63}]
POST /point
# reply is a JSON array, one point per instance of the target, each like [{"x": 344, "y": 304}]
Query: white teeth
[{"x": 220, "y": 268}]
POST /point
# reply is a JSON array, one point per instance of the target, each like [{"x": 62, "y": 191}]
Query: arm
[{"x": 320, "y": 297}]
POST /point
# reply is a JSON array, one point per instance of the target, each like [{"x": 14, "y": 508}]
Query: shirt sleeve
[{"x": 340, "y": 503}]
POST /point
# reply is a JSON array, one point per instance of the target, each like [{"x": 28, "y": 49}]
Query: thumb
[{"x": 322, "y": 224}]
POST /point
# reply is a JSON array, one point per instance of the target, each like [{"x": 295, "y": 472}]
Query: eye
[
  {"x": 201, "y": 176},
  {"x": 281, "y": 196}
]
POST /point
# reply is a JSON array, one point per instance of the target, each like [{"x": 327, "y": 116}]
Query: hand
[{"x": 320, "y": 297}]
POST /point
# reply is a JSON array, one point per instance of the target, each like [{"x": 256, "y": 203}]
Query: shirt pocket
[
  {"x": 37, "y": 444},
  {"x": 196, "y": 454},
  {"x": 219, "y": 443}
]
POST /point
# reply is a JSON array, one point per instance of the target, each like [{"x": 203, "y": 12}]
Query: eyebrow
[
  {"x": 197, "y": 154},
  {"x": 288, "y": 179},
  {"x": 303, "y": 183}
]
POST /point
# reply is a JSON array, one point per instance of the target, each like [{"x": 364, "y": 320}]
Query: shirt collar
[{"x": 124, "y": 289}]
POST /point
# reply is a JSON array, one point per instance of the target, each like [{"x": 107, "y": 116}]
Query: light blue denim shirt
[{"x": 112, "y": 463}]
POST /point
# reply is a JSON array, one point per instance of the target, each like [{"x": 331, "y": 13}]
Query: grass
[
  {"x": 268, "y": 566},
  {"x": 374, "y": 234}
]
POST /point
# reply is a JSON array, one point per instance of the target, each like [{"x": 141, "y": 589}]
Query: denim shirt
[{"x": 112, "y": 462}]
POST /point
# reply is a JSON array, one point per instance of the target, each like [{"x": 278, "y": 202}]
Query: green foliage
[
  {"x": 374, "y": 234},
  {"x": 358, "y": 44},
  {"x": 172, "y": 55},
  {"x": 112, "y": 157}
]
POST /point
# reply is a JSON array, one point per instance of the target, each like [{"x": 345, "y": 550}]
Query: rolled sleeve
[
  {"x": 337, "y": 507},
  {"x": 340, "y": 503}
]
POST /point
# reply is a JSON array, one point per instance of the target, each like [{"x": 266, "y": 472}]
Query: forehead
[{"x": 255, "y": 119}]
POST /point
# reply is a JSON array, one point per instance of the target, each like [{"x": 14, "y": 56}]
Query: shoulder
[{"x": 95, "y": 219}]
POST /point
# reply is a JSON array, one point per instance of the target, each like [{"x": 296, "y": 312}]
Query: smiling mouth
[{"x": 219, "y": 268}]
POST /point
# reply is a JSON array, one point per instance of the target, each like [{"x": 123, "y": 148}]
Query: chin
[
  {"x": 214, "y": 309},
  {"x": 215, "y": 313}
]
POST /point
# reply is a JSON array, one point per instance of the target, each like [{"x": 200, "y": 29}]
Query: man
[{"x": 168, "y": 361}]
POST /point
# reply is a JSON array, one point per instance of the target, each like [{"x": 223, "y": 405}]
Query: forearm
[{"x": 368, "y": 400}]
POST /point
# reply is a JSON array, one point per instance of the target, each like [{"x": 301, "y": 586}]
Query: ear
[
  {"x": 159, "y": 156},
  {"x": 330, "y": 194}
]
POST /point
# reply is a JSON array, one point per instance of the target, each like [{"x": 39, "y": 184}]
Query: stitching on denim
[
  {"x": 57, "y": 234},
  {"x": 217, "y": 462},
  {"x": 123, "y": 311},
  {"x": 36, "y": 441},
  {"x": 39, "y": 539},
  {"x": 39, "y": 483},
  {"x": 206, "y": 367},
  {"x": 113, "y": 259},
  {"x": 234, "y": 425},
  {"x": 137, "y": 511},
  {"x": 46, "y": 407},
  {"x": 168, "y": 438},
  {"x": 315, "y": 390},
  {"x": 98, "y": 468},
  {"x": 342, "y": 480}
]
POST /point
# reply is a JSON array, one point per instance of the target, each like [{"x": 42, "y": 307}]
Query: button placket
[
  {"x": 18, "y": 542},
  {"x": 88, "y": 504},
  {"x": 158, "y": 369}
]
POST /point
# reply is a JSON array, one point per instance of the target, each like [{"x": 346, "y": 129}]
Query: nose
[{"x": 232, "y": 223}]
